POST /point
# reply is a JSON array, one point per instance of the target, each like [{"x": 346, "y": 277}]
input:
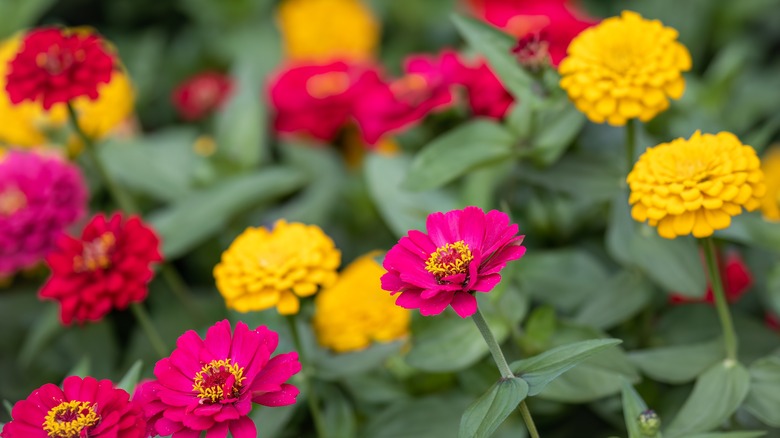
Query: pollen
[
  {"x": 450, "y": 259},
  {"x": 11, "y": 201},
  {"x": 96, "y": 254},
  {"x": 218, "y": 381},
  {"x": 327, "y": 84},
  {"x": 69, "y": 419}
]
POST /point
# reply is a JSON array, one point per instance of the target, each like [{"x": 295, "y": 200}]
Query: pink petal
[
  {"x": 464, "y": 304},
  {"x": 285, "y": 396},
  {"x": 472, "y": 227},
  {"x": 409, "y": 299},
  {"x": 217, "y": 342},
  {"x": 243, "y": 428},
  {"x": 220, "y": 430},
  {"x": 486, "y": 283},
  {"x": 437, "y": 304}
]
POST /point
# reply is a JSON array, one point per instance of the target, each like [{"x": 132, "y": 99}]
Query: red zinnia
[
  {"x": 486, "y": 94},
  {"x": 58, "y": 65},
  {"x": 82, "y": 408},
  {"x": 210, "y": 384},
  {"x": 200, "y": 95},
  {"x": 736, "y": 278},
  {"x": 108, "y": 268}
]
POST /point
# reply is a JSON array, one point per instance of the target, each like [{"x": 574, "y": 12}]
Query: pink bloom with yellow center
[
  {"x": 463, "y": 252},
  {"x": 210, "y": 384}
]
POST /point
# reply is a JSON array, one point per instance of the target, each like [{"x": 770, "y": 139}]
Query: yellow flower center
[
  {"x": 450, "y": 259},
  {"x": 96, "y": 254},
  {"x": 69, "y": 419},
  {"x": 327, "y": 84},
  {"x": 11, "y": 201},
  {"x": 409, "y": 88},
  {"x": 219, "y": 380}
]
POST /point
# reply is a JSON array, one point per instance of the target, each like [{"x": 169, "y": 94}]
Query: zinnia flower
[
  {"x": 210, "y": 384},
  {"x": 264, "y": 268},
  {"x": 736, "y": 278},
  {"x": 107, "y": 268},
  {"x": 82, "y": 408},
  {"x": 463, "y": 252},
  {"x": 355, "y": 311},
  {"x": 770, "y": 203},
  {"x": 200, "y": 95},
  {"x": 486, "y": 94},
  {"x": 324, "y": 30},
  {"x": 56, "y": 65},
  {"x": 695, "y": 186},
  {"x": 559, "y": 20},
  {"x": 40, "y": 196},
  {"x": 319, "y": 99},
  {"x": 625, "y": 68}
]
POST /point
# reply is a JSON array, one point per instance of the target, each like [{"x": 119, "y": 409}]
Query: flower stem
[
  {"x": 179, "y": 288},
  {"x": 311, "y": 394},
  {"x": 503, "y": 366},
  {"x": 729, "y": 335},
  {"x": 151, "y": 332},
  {"x": 630, "y": 143}
]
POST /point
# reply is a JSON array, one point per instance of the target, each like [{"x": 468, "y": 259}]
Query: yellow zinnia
[
  {"x": 695, "y": 186},
  {"x": 320, "y": 30},
  {"x": 264, "y": 268},
  {"x": 355, "y": 311},
  {"x": 27, "y": 124},
  {"x": 624, "y": 68},
  {"x": 770, "y": 205}
]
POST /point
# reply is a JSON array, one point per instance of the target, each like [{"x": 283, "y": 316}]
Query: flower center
[
  {"x": 327, "y": 84},
  {"x": 218, "y": 381},
  {"x": 69, "y": 419},
  {"x": 11, "y": 201},
  {"x": 55, "y": 60},
  {"x": 450, "y": 259},
  {"x": 96, "y": 254},
  {"x": 206, "y": 94},
  {"x": 410, "y": 88}
]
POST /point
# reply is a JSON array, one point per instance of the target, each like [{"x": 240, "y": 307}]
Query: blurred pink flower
[
  {"x": 202, "y": 94},
  {"x": 486, "y": 94},
  {"x": 463, "y": 252},
  {"x": 737, "y": 279},
  {"x": 40, "y": 196}
]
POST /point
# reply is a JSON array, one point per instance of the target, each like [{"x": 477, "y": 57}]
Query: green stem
[
  {"x": 151, "y": 332},
  {"x": 179, "y": 288},
  {"x": 311, "y": 394},
  {"x": 729, "y": 335},
  {"x": 630, "y": 142},
  {"x": 529, "y": 421}
]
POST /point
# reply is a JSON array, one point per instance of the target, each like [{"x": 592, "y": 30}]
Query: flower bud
[{"x": 649, "y": 423}]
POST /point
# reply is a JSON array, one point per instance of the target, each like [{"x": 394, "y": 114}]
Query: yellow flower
[
  {"x": 696, "y": 185},
  {"x": 321, "y": 30},
  {"x": 624, "y": 68},
  {"x": 265, "y": 268},
  {"x": 770, "y": 205},
  {"x": 355, "y": 311},
  {"x": 27, "y": 124}
]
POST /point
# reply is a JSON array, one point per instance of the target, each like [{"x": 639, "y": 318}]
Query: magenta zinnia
[
  {"x": 463, "y": 253},
  {"x": 210, "y": 384}
]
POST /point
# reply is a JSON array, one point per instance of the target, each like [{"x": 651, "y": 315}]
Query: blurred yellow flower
[
  {"x": 695, "y": 186},
  {"x": 320, "y": 30},
  {"x": 27, "y": 124},
  {"x": 355, "y": 311},
  {"x": 264, "y": 268},
  {"x": 624, "y": 68},
  {"x": 770, "y": 205}
]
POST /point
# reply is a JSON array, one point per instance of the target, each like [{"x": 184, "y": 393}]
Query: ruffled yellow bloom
[
  {"x": 770, "y": 205},
  {"x": 319, "y": 30},
  {"x": 27, "y": 124},
  {"x": 355, "y": 311},
  {"x": 695, "y": 186},
  {"x": 264, "y": 268},
  {"x": 624, "y": 68}
]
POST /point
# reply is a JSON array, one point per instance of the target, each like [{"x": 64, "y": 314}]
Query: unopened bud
[{"x": 649, "y": 423}]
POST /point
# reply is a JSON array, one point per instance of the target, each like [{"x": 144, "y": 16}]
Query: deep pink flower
[
  {"x": 399, "y": 104},
  {"x": 210, "y": 384},
  {"x": 463, "y": 252},
  {"x": 40, "y": 196},
  {"x": 486, "y": 94},
  {"x": 82, "y": 408},
  {"x": 202, "y": 94},
  {"x": 318, "y": 99},
  {"x": 736, "y": 278},
  {"x": 561, "y": 20}
]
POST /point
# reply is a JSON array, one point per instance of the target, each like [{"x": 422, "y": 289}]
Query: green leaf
[
  {"x": 19, "y": 14},
  {"x": 751, "y": 229},
  {"x": 195, "y": 218},
  {"x": 539, "y": 329},
  {"x": 615, "y": 300},
  {"x": 486, "y": 414},
  {"x": 457, "y": 151},
  {"x": 331, "y": 366},
  {"x": 8, "y": 407},
  {"x": 556, "y": 125},
  {"x": 274, "y": 420},
  {"x": 131, "y": 377},
  {"x": 430, "y": 417},
  {"x": 717, "y": 394},
  {"x": 773, "y": 289},
  {"x": 401, "y": 209},
  {"x": 763, "y": 399},
  {"x": 337, "y": 414},
  {"x": 542, "y": 369},
  {"x": 633, "y": 407},
  {"x": 680, "y": 363},
  {"x": 44, "y": 331},
  {"x": 741, "y": 434},
  {"x": 82, "y": 368}
]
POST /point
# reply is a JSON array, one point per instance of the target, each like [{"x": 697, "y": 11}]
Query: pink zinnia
[
  {"x": 463, "y": 253},
  {"x": 40, "y": 196},
  {"x": 209, "y": 385},
  {"x": 82, "y": 408},
  {"x": 486, "y": 94}
]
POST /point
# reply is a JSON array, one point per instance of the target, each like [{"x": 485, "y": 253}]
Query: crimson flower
[
  {"x": 210, "y": 384},
  {"x": 56, "y": 65},
  {"x": 200, "y": 95},
  {"x": 463, "y": 252},
  {"x": 736, "y": 278},
  {"x": 486, "y": 94},
  {"x": 107, "y": 268},
  {"x": 82, "y": 408}
]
